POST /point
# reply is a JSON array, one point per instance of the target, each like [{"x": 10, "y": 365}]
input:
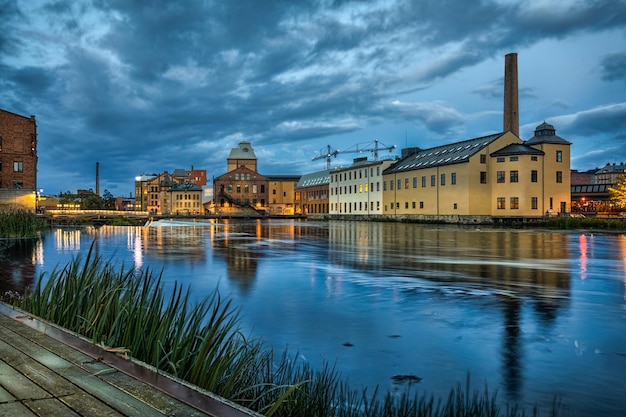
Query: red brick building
[{"x": 18, "y": 151}]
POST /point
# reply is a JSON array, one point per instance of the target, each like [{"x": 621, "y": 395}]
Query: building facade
[
  {"x": 357, "y": 190},
  {"x": 243, "y": 188},
  {"x": 18, "y": 162},
  {"x": 18, "y": 151},
  {"x": 492, "y": 176},
  {"x": 312, "y": 192},
  {"x": 173, "y": 193}
]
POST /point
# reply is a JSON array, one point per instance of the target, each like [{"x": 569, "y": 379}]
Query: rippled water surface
[{"x": 533, "y": 314}]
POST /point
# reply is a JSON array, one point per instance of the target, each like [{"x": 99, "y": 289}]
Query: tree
[
  {"x": 617, "y": 193},
  {"x": 109, "y": 200},
  {"x": 93, "y": 202}
]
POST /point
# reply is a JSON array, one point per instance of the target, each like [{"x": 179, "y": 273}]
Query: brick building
[
  {"x": 18, "y": 161},
  {"x": 18, "y": 151}
]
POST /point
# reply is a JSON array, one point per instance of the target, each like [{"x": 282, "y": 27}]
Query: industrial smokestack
[
  {"x": 97, "y": 178},
  {"x": 511, "y": 111}
]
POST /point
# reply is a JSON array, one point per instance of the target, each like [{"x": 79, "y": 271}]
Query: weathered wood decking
[{"x": 45, "y": 371}]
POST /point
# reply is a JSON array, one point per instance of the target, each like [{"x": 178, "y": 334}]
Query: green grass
[
  {"x": 20, "y": 224},
  {"x": 202, "y": 343}
]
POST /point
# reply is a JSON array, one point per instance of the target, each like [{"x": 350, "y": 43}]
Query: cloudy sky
[{"x": 149, "y": 86}]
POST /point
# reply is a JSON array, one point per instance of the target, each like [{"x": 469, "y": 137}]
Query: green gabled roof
[{"x": 453, "y": 153}]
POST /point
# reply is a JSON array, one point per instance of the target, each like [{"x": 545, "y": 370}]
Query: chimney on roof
[{"x": 511, "y": 114}]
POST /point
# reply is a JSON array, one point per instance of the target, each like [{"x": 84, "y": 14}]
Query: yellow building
[{"x": 492, "y": 176}]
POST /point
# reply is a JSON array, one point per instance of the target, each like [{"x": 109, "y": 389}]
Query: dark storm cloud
[
  {"x": 613, "y": 66},
  {"x": 115, "y": 78}
]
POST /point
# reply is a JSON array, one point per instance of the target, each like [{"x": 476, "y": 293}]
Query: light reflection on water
[{"x": 533, "y": 313}]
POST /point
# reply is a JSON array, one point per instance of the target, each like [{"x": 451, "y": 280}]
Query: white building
[{"x": 358, "y": 189}]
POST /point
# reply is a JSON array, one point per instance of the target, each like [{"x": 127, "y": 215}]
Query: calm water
[{"x": 533, "y": 314}]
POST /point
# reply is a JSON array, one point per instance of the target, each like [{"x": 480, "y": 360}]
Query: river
[{"x": 533, "y": 314}]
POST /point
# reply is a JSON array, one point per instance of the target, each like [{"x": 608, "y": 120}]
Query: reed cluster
[
  {"x": 20, "y": 224},
  {"x": 202, "y": 343}
]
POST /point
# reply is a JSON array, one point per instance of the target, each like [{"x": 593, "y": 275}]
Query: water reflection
[
  {"x": 18, "y": 259},
  {"x": 523, "y": 309}
]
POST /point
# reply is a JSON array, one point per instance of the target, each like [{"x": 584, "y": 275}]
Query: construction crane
[{"x": 374, "y": 147}]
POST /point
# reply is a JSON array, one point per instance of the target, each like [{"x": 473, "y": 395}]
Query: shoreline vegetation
[{"x": 202, "y": 343}]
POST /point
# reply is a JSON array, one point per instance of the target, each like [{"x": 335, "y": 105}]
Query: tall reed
[
  {"x": 20, "y": 224},
  {"x": 202, "y": 343}
]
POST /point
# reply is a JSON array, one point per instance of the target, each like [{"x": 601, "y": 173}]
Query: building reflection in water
[
  {"x": 15, "y": 274},
  {"x": 515, "y": 267},
  {"x": 582, "y": 245}
]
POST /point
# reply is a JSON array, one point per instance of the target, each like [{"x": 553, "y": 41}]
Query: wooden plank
[
  {"x": 144, "y": 383},
  {"x": 5, "y": 396},
  {"x": 51, "y": 407},
  {"x": 15, "y": 409},
  {"x": 90, "y": 383},
  {"x": 146, "y": 393},
  {"x": 18, "y": 385},
  {"x": 56, "y": 385}
]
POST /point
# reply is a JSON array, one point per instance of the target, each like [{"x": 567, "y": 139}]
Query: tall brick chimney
[{"x": 511, "y": 113}]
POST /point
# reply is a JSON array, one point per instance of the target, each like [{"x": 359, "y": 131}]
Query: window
[
  {"x": 378, "y": 171},
  {"x": 424, "y": 181},
  {"x": 501, "y": 203},
  {"x": 239, "y": 189},
  {"x": 433, "y": 180},
  {"x": 406, "y": 183},
  {"x": 514, "y": 203},
  {"x": 254, "y": 189},
  {"x": 483, "y": 159},
  {"x": 421, "y": 204},
  {"x": 366, "y": 187},
  {"x": 533, "y": 175},
  {"x": 262, "y": 190},
  {"x": 246, "y": 188},
  {"x": 413, "y": 204},
  {"x": 384, "y": 185},
  {"x": 500, "y": 159},
  {"x": 360, "y": 188},
  {"x": 559, "y": 177},
  {"x": 514, "y": 176},
  {"x": 274, "y": 191},
  {"x": 398, "y": 205},
  {"x": 377, "y": 186},
  {"x": 483, "y": 177},
  {"x": 455, "y": 206},
  {"x": 453, "y": 178},
  {"x": 399, "y": 184},
  {"x": 559, "y": 156},
  {"x": 500, "y": 177},
  {"x": 406, "y": 204},
  {"x": 514, "y": 158},
  {"x": 391, "y": 185},
  {"x": 236, "y": 176},
  {"x": 533, "y": 158},
  {"x": 534, "y": 203},
  {"x": 18, "y": 166},
  {"x": 230, "y": 188},
  {"x": 414, "y": 182},
  {"x": 443, "y": 179}
]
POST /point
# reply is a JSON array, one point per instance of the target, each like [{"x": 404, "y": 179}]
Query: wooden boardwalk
[{"x": 45, "y": 371}]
